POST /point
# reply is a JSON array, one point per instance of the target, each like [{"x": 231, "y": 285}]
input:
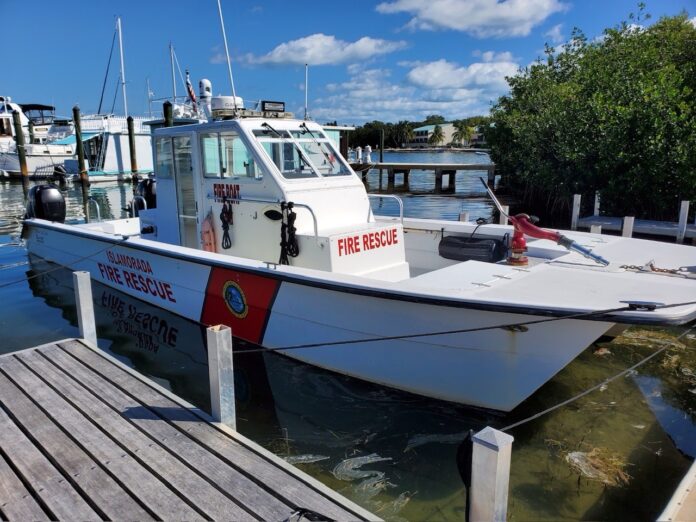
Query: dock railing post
[
  {"x": 596, "y": 229},
  {"x": 490, "y": 475},
  {"x": 221, "y": 373},
  {"x": 627, "y": 230},
  {"x": 85, "y": 306},
  {"x": 464, "y": 216},
  {"x": 683, "y": 218},
  {"x": 595, "y": 211},
  {"x": 502, "y": 219},
  {"x": 577, "y": 198}
]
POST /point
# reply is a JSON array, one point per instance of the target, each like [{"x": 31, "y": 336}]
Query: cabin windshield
[
  {"x": 286, "y": 154},
  {"x": 321, "y": 153}
]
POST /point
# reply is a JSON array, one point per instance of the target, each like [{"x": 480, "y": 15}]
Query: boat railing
[
  {"x": 275, "y": 202},
  {"x": 96, "y": 205},
  {"x": 398, "y": 200}
]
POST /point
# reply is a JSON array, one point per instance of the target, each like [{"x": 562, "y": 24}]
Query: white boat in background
[
  {"x": 261, "y": 224},
  {"x": 42, "y": 153}
]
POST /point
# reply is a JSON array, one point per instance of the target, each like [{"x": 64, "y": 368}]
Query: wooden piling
[
  {"x": 131, "y": 148},
  {"x": 683, "y": 218},
  {"x": 627, "y": 230},
  {"x": 85, "y": 306},
  {"x": 490, "y": 475},
  {"x": 80, "y": 148},
  {"x": 577, "y": 198},
  {"x": 595, "y": 211},
  {"x": 221, "y": 373},
  {"x": 168, "y": 114},
  {"x": 19, "y": 140}
]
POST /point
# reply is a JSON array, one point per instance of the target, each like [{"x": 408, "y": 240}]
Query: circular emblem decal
[{"x": 234, "y": 299}]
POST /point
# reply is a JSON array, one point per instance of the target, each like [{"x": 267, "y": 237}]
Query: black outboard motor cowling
[
  {"x": 46, "y": 202},
  {"x": 147, "y": 188}
]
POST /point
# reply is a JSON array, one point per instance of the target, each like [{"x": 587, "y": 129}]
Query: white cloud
[
  {"x": 439, "y": 87},
  {"x": 693, "y": 21},
  {"x": 322, "y": 49},
  {"x": 479, "y": 18},
  {"x": 441, "y": 74},
  {"x": 554, "y": 34}
]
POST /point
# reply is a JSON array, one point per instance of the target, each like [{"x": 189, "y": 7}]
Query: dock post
[
  {"x": 221, "y": 373},
  {"x": 85, "y": 306},
  {"x": 596, "y": 229},
  {"x": 168, "y": 112},
  {"x": 577, "y": 198},
  {"x": 491, "y": 175},
  {"x": 438, "y": 181},
  {"x": 84, "y": 177},
  {"x": 464, "y": 216},
  {"x": 19, "y": 139},
  {"x": 131, "y": 148},
  {"x": 627, "y": 230},
  {"x": 502, "y": 219},
  {"x": 490, "y": 475},
  {"x": 683, "y": 218},
  {"x": 595, "y": 211}
]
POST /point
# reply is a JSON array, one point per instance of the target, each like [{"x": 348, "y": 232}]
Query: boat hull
[{"x": 495, "y": 368}]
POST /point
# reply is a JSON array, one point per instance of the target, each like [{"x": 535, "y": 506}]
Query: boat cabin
[{"x": 272, "y": 188}]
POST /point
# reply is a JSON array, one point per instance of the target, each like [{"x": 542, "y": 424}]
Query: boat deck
[
  {"x": 86, "y": 438},
  {"x": 682, "y": 506}
]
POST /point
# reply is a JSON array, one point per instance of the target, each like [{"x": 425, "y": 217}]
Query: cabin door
[{"x": 185, "y": 193}]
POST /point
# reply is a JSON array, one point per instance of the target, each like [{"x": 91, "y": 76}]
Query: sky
[{"x": 386, "y": 60}]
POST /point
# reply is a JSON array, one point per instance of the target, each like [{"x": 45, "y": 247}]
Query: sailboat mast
[
  {"x": 227, "y": 54},
  {"x": 306, "y": 89},
  {"x": 123, "y": 71},
  {"x": 171, "y": 61}
]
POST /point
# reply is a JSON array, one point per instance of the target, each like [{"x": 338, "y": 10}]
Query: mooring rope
[
  {"x": 597, "y": 386},
  {"x": 509, "y": 326}
]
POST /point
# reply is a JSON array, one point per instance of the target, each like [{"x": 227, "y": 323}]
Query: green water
[{"x": 644, "y": 424}]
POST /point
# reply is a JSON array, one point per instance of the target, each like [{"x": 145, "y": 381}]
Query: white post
[
  {"x": 490, "y": 475},
  {"x": 596, "y": 229},
  {"x": 503, "y": 217},
  {"x": 576, "y": 212},
  {"x": 683, "y": 216},
  {"x": 464, "y": 216},
  {"x": 627, "y": 230},
  {"x": 221, "y": 373},
  {"x": 85, "y": 307},
  {"x": 596, "y": 204}
]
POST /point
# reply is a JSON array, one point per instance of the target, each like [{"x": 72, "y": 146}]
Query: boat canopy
[{"x": 70, "y": 140}]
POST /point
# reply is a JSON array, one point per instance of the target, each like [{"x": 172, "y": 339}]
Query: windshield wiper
[
  {"x": 303, "y": 125},
  {"x": 268, "y": 126}
]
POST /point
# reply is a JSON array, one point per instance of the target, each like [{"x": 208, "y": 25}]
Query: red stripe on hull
[{"x": 240, "y": 300}]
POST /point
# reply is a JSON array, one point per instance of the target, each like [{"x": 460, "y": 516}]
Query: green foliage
[{"x": 616, "y": 115}]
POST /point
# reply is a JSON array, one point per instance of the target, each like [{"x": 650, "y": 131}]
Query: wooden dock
[
  {"x": 86, "y": 438},
  {"x": 441, "y": 170}
]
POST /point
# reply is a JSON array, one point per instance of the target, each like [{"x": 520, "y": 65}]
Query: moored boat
[{"x": 261, "y": 224}]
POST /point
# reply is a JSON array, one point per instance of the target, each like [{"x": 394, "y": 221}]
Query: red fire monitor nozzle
[{"x": 523, "y": 225}]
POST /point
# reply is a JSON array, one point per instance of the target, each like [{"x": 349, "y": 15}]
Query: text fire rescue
[
  {"x": 125, "y": 276},
  {"x": 368, "y": 241}
]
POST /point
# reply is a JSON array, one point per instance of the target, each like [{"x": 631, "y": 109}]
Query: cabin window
[
  {"x": 210, "y": 151},
  {"x": 284, "y": 152},
  {"x": 184, "y": 175},
  {"x": 164, "y": 158},
  {"x": 5, "y": 127},
  {"x": 237, "y": 159}
]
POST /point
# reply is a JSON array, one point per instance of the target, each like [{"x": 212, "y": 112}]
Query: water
[{"x": 392, "y": 452}]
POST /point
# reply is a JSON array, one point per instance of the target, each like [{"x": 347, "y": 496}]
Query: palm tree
[
  {"x": 403, "y": 133},
  {"x": 437, "y": 136},
  {"x": 463, "y": 133}
]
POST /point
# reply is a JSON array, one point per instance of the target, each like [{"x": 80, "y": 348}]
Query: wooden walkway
[
  {"x": 86, "y": 438},
  {"x": 640, "y": 226}
]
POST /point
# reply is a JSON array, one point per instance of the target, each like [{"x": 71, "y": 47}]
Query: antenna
[
  {"x": 227, "y": 54},
  {"x": 171, "y": 61},
  {"x": 306, "y": 88},
  {"x": 123, "y": 72},
  {"x": 149, "y": 96}
]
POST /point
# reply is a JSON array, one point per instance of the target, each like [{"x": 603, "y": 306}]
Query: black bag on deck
[{"x": 469, "y": 249}]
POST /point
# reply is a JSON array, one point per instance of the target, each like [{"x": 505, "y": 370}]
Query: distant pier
[{"x": 443, "y": 171}]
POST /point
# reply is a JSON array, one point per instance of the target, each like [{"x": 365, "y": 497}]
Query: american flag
[{"x": 189, "y": 90}]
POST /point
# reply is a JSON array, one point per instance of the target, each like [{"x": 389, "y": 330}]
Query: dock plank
[
  {"x": 16, "y": 502},
  {"x": 157, "y": 496},
  {"x": 209, "y": 500},
  {"x": 55, "y": 492},
  {"x": 84, "y": 472},
  {"x": 227, "y": 479},
  {"x": 265, "y": 472}
]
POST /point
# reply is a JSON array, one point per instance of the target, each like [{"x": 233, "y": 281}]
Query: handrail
[
  {"x": 135, "y": 210},
  {"x": 96, "y": 204},
  {"x": 398, "y": 200},
  {"x": 276, "y": 202}
]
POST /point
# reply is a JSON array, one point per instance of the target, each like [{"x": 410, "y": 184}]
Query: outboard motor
[
  {"x": 46, "y": 202},
  {"x": 147, "y": 190}
]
